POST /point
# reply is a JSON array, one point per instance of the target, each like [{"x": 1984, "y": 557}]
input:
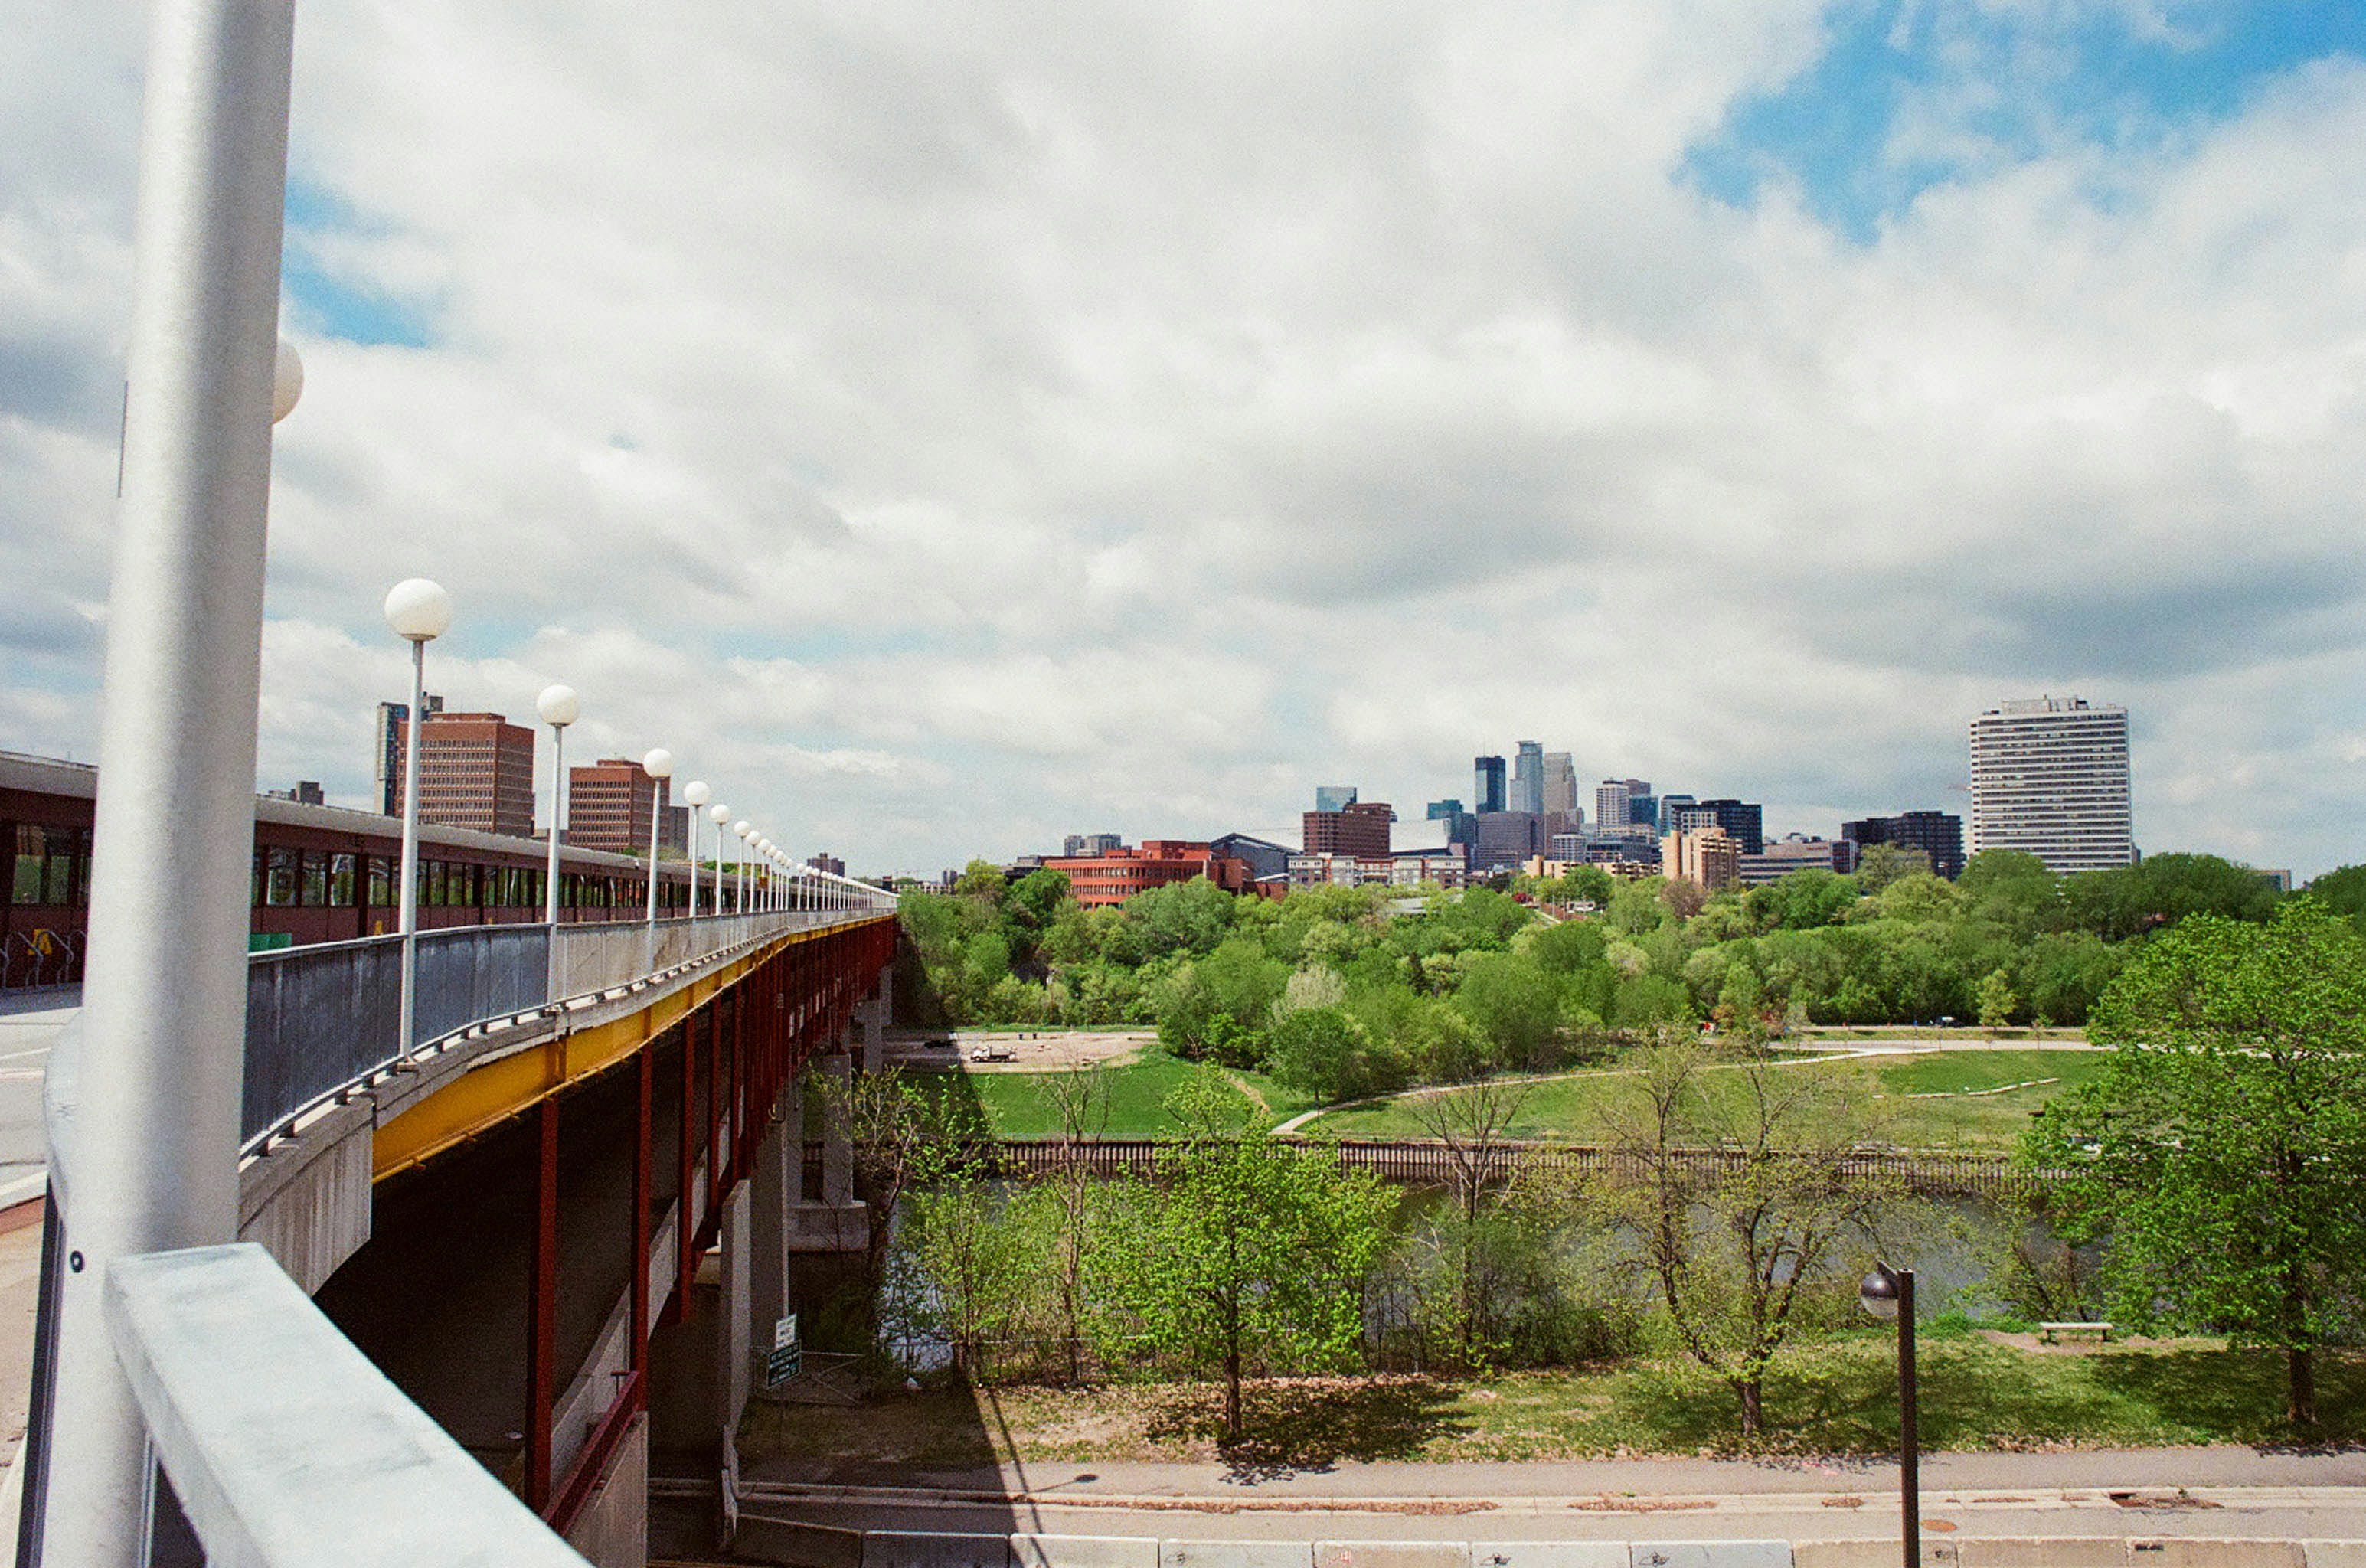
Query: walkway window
[
  {"x": 381, "y": 883},
  {"x": 340, "y": 882},
  {"x": 279, "y": 877},
  {"x": 316, "y": 880}
]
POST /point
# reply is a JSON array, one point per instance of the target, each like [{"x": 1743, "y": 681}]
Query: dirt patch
[{"x": 1031, "y": 1050}]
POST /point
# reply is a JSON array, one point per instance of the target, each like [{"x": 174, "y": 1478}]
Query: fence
[
  {"x": 1420, "y": 1162},
  {"x": 321, "y": 1018}
]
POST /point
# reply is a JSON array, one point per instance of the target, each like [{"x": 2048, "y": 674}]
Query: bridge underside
[{"x": 519, "y": 1271}]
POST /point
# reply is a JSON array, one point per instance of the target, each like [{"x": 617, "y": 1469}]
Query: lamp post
[
  {"x": 718, "y": 814},
  {"x": 155, "y": 1162},
  {"x": 420, "y": 612},
  {"x": 560, "y": 706},
  {"x": 1888, "y": 1293},
  {"x": 741, "y": 830},
  {"x": 694, "y": 794},
  {"x": 658, "y": 765}
]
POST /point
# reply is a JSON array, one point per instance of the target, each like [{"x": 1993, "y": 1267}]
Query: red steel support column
[
  {"x": 739, "y": 1082},
  {"x": 638, "y": 1355},
  {"x": 683, "y": 1262},
  {"x": 714, "y": 1109},
  {"x": 542, "y": 1309}
]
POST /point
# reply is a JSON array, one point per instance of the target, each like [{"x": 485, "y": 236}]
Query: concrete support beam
[
  {"x": 780, "y": 1164},
  {"x": 837, "y": 1136},
  {"x": 734, "y": 1257}
]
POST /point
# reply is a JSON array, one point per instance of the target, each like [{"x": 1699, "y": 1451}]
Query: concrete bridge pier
[
  {"x": 875, "y": 1011},
  {"x": 835, "y": 1220}
]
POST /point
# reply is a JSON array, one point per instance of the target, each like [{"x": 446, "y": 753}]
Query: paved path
[
  {"x": 29, "y": 1021},
  {"x": 2204, "y": 1491}
]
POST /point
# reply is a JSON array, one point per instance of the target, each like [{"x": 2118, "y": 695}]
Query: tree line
[{"x": 1352, "y": 991}]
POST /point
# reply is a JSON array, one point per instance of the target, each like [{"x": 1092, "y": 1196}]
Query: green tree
[
  {"x": 2343, "y": 891},
  {"x": 1255, "y": 1250},
  {"x": 2222, "y": 1152},
  {"x": 1997, "y": 1001},
  {"x": 1882, "y": 865}
]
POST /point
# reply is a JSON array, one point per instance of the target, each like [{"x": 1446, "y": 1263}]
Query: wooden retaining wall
[{"x": 1427, "y": 1162}]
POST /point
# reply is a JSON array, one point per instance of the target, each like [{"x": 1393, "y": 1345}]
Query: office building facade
[
  {"x": 1938, "y": 834},
  {"x": 1334, "y": 798},
  {"x": 1262, "y": 856},
  {"x": 1504, "y": 839},
  {"x": 476, "y": 770},
  {"x": 1710, "y": 856},
  {"x": 1743, "y": 822},
  {"x": 386, "y": 762},
  {"x": 1090, "y": 844},
  {"x": 608, "y": 804},
  {"x": 1361, "y": 829},
  {"x": 1486, "y": 785},
  {"x": 2050, "y": 777},
  {"x": 1561, "y": 791},
  {"x": 1796, "y": 852},
  {"x": 1528, "y": 778}
]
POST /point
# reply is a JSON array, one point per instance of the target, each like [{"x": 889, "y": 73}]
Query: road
[{"x": 2189, "y": 1491}]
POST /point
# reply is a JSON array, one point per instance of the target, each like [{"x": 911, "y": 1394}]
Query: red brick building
[
  {"x": 1113, "y": 878},
  {"x": 1359, "y": 829},
  {"x": 476, "y": 770},
  {"x": 608, "y": 806}
]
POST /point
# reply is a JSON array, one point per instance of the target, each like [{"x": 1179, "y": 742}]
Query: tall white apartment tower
[{"x": 2050, "y": 776}]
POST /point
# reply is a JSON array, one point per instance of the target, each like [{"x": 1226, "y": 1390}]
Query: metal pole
[
  {"x": 155, "y": 1161},
  {"x": 407, "y": 901},
  {"x": 656, "y": 811},
  {"x": 1909, "y": 1467},
  {"x": 693, "y": 847},
  {"x": 557, "y": 816}
]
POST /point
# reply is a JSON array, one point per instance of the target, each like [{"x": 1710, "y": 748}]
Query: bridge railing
[{"x": 321, "y": 1018}]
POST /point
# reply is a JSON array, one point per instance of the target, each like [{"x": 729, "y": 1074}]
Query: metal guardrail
[{"x": 324, "y": 1017}]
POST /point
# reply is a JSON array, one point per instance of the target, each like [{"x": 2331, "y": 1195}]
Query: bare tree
[
  {"x": 1473, "y": 1122},
  {"x": 1740, "y": 1187},
  {"x": 1080, "y": 1103}
]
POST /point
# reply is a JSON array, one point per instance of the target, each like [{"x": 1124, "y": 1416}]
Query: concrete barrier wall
[{"x": 814, "y": 1546}]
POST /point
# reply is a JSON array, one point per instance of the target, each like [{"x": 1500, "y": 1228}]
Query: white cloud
[{"x": 945, "y": 438}]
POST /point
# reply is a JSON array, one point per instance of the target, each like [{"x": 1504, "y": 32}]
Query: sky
[{"x": 949, "y": 431}]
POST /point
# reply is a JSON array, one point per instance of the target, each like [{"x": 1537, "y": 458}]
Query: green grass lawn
[
  {"x": 1835, "y": 1397},
  {"x": 1015, "y": 1106},
  {"x": 1570, "y": 1106}
]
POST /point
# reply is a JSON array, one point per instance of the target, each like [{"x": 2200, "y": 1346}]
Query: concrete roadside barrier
[
  {"x": 2043, "y": 1552},
  {"x": 2198, "y": 1551},
  {"x": 1567, "y": 1555},
  {"x": 1874, "y": 1554},
  {"x": 1236, "y": 1554},
  {"x": 1391, "y": 1554},
  {"x": 808, "y": 1546},
  {"x": 927, "y": 1549},
  {"x": 1709, "y": 1554},
  {"x": 1028, "y": 1550},
  {"x": 2334, "y": 1553}
]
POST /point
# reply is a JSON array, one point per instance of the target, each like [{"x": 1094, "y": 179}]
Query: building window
[
  {"x": 340, "y": 881},
  {"x": 280, "y": 867},
  {"x": 316, "y": 881}
]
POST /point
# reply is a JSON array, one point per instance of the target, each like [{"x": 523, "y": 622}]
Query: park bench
[{"x": 2053, "y": 1333}]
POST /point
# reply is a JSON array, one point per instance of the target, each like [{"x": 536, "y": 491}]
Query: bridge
[{"x": 558, "y": 1225}]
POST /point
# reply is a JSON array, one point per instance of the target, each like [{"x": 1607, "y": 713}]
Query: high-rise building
[
  {"x": 1561, "y": 785},
  {"x": 1359, "y": 829},
  {"x": 1742, "y": 821},
  {"x": 1486, "y": 784},
  {"x": 476, "y": 770},
  {"x": 1614, "y": 803},
  {"x": 388, "y": 764},
  {"x": 2050, "y": 776},
  {"x": 1458, "y": 822},
  {"x": 1334, "y": 798},
  {"x": 1938, "y": 834},
  {"x": 827, "y": 864},
  {"x": 673, "y": 830},
  {"x": 608, "y": 805},
  {"x": 1092, "y": 843},
  {"x": 1710, "y": 856},
  {"x": 1670, "y": 807},
  {"x": 305, "y": 792},
  {"x": 1528, "y": 779},
  {"x": 1505, "y": 839}
]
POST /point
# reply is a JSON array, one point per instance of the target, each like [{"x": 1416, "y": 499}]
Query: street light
[
  {"x": 1888, "y": 1294},
  {"x": 420, "y": 612},
  {"x": 658, "y": 765},
  {"x": 718, "y": 814},
  {"x": 560, "y": 706},
  {"x": 741, "y": 830},
  {"x": 695, "y": 793}
]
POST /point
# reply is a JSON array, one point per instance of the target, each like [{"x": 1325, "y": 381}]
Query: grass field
[
  {"x": 1015, "y": 1106},
  {"x": 1570, "y": 1106},
  {"x": 1836, "y": 1397}
]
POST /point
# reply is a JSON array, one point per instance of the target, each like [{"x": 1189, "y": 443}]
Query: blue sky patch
[
  {"x": 1909, "y": 95},
  {"x": 336, "y": 304}
]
